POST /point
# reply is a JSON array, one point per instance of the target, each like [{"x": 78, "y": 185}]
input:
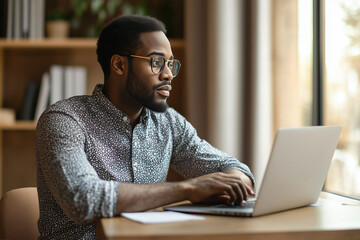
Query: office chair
[{"x": 19, "y": 212}]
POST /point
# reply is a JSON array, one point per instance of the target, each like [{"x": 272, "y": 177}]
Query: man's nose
[{"x": 166, "y": 74}]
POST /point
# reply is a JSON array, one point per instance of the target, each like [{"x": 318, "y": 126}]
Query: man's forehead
[{"x": 155, "y": 42}]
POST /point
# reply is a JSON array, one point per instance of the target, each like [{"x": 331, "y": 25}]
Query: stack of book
[
  {"x": 25, "y": 19},
  {"x": 59, "y": 83}
]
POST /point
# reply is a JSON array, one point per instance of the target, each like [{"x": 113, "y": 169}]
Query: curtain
[{"x": 228, "y": 59}]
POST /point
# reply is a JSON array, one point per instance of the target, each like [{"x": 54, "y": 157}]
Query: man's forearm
[{"x": 141, "y": 197}]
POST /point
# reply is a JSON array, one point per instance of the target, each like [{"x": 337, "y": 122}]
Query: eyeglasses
[{"x": 157, "y": 64}]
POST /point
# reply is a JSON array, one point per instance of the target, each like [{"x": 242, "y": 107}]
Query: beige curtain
[{"x": 228, "y": 60}]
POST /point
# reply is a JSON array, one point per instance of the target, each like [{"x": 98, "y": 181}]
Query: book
[
  {"x": 3, "y": 18},
  {"x": 80, "y": 81},
  {"x": 25, "y": 18},
  {"x": 75, "y": 81},
  {"x": 69, "y": 89},
  {"x": 29, "y": 101},
  {"x": 10, "y": 20},
  {"x": 17, "y": 19},
  {"x": 56, "y": 83},
  {"x": 33, "y": 25},
  {"x": 39, "y": 19},
  {"x": 43, "y": 97}
]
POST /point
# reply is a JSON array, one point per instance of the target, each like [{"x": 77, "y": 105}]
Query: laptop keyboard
[
  {"x": 249, "y": 203},
  {"x": 245, "y": 204}
]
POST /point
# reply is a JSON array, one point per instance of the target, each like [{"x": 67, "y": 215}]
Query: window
[
  {"x": 292, "y": 65},
  {"x": 342, "y": 92},
  {"x": 325, "y": 61}
]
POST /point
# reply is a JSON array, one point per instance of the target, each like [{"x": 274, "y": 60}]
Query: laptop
[{"x": 294, "y": 176}]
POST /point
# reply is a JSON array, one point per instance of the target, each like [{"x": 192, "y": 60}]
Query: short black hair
[{"x": 122, "y": 36}]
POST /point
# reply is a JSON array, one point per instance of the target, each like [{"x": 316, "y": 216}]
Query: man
[{"x": 110, "y": 152}]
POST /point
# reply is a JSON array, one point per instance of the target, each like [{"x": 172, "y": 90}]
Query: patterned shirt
[{"x": 85, "y": 147}]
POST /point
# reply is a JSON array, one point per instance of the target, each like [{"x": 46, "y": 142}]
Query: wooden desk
[{"x": 335, "y": 218}]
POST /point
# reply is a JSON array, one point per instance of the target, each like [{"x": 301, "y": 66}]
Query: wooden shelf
[
  {"x": 19, "y": 125},
  {"x": 71, "y": 43},
  {"x": 49, "y": 43}
]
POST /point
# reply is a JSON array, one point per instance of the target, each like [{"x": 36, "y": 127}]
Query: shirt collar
[
  {"x": 144, "y": 115},
  {"x": 109, "y": 107}
]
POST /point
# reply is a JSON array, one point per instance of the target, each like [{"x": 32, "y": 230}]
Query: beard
[{"x": 145, "y": 97}]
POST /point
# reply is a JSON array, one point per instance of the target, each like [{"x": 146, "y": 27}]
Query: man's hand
[{"x": 231, "y": 187}]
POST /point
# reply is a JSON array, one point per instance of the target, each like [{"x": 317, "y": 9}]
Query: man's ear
[{"x": 117, "y": 64}]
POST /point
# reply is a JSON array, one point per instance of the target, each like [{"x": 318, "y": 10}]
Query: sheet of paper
[{"x": 160, "y": 217}]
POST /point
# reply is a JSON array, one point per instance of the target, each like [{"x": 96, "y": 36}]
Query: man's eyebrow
[
  {"x": 156, "y": 53},
  {"x": 159, "y": 54}
]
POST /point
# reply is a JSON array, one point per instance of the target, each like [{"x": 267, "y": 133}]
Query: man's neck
[{"x": 126, "y": 104}]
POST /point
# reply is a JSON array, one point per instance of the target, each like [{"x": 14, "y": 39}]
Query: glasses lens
[
  {"x": 157, "y": 64},
  {"x": 174, "y": 66}
]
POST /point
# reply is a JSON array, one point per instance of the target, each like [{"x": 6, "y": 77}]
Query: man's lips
[{"x": 164, "y": 90}]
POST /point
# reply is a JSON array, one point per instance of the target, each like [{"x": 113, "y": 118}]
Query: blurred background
[{"x": 250, "y": 67}]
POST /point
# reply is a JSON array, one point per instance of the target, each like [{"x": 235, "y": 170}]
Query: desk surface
[{"x": 335, "y": 218}]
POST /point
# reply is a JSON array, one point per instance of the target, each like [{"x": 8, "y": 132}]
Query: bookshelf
[
  {"x": 18, "y": 125},
  {"x": 23, "y": 61}
]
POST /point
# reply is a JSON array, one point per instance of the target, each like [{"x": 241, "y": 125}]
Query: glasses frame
[{"x": 162, "y": 68}]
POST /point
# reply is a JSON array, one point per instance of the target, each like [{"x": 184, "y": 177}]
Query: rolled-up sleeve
[{"x": 72, "y": 180}]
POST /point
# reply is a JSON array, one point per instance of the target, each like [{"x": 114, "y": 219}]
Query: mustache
[{"x": 161, "y": 84}]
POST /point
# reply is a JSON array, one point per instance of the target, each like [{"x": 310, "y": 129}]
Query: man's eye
[
  {"x": 171, "y": 64},
  {"x": 157, "y": 63}
]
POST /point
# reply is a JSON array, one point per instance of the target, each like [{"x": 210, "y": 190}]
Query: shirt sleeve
[
  {"x": 193, "y": 157},
  {"x": 69, "y": 176}
]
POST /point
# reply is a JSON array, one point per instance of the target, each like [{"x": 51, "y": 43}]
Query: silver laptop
[{"x": 294, "y": 177}]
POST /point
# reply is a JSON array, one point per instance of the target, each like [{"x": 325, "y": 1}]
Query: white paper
[{"x": 160, "y": 217}]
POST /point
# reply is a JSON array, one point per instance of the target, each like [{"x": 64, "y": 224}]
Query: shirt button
[
  {"x": 135, "y": 164},
  {"x": 125, "y": 119}
]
